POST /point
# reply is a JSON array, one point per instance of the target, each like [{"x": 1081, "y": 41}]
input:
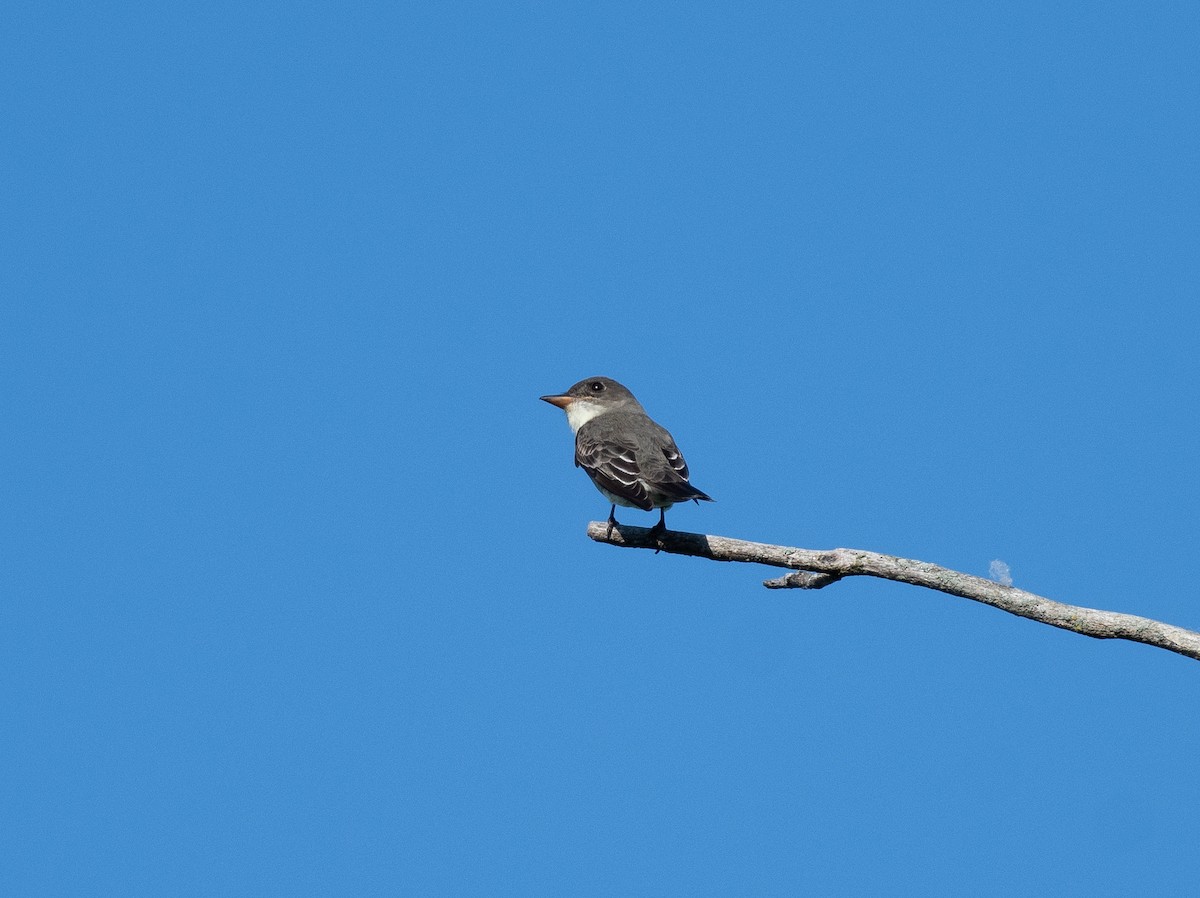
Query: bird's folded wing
[
  {"x": 672, "y": 454},
  {"x": 612, "y": 464},
  {"x": 670, "y": 472}
]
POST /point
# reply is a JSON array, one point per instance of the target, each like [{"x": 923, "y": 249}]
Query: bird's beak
[{"x": 560, "y": 401}]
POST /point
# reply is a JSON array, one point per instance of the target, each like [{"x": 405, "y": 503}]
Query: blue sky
[{"x": 296, "y": 596}]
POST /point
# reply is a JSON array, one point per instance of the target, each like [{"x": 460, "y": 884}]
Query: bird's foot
[{"x": 656, "y": 533}]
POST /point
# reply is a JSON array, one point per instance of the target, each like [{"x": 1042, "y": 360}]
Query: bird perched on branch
[{"x": 631, "y": 458}]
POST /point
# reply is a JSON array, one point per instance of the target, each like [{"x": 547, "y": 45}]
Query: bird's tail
[{"x": 683, "y": 491}]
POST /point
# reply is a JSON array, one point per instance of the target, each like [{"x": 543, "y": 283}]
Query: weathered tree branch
[{"x": 813, "y": 569}]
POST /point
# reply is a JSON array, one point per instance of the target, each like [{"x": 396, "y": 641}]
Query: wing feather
[
  {"x": 636, "y": 460},
  {"x": 612, "y": 463}
]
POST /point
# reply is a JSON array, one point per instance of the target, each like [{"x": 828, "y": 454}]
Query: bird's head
[{"x": 591, "y": 397}]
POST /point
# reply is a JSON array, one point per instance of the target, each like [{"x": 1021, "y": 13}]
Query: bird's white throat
[{"x": 581, "y": 411}]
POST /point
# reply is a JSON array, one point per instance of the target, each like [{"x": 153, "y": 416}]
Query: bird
[{"x": 632, "y": 459}]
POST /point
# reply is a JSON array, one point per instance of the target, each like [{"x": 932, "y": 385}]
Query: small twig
[{"x": 814, "y": 569}]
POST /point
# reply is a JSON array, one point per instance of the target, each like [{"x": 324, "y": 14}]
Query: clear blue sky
[{"x": 296, "y": 595}]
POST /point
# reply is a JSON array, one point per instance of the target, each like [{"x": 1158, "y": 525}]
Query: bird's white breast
[{"x": 581, "y": 411}]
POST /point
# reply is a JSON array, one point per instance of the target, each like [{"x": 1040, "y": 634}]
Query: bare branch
[{"x": 813, "y": 569}]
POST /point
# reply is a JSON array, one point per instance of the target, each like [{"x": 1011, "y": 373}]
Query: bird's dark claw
[{"x": 657, "y": 531}]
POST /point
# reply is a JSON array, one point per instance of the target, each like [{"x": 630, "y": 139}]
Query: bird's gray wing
[
  {"x": 663, "y": 464},
  {"x": 611, "y": 459},
  {"x": 670, "y": 452}
]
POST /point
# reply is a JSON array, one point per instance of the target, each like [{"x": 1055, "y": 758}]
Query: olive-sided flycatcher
[{"x": 631, "y": 458}]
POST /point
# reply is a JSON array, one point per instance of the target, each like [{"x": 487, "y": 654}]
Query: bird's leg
[
  {"x": 612, "y": 520},
  {"x": 660, "y": 528}
]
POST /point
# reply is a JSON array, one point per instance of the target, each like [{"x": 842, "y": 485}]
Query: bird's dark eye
[{"x": 597, "y": 386}]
